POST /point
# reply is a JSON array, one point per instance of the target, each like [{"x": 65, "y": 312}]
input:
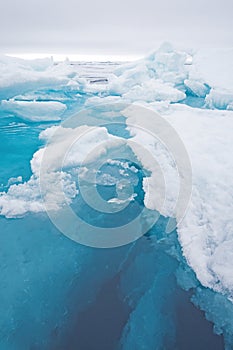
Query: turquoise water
[{"x": 57, "y": 294}]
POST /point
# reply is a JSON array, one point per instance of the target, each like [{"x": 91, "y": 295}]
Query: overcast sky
[{"x": 106, "y": 26}]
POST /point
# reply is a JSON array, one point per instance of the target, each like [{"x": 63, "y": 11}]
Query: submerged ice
[{"x": 55, "y": 279}]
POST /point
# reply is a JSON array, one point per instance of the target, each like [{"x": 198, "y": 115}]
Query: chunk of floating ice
[
  {"x": 35, "y": 111},
  {"x": 197, "y": 88},
  {"x": 154, "y": 90},
  {"x": 26, "y": 197},
  {"x": 20, "y": 76}
]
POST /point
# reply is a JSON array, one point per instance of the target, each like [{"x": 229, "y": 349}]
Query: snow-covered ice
[
  {"x": 34, "y": 110},
  {"x": 163, "y": 82}
]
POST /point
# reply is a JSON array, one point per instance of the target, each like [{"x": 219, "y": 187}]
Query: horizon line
[{"x": 77, "y": 57}]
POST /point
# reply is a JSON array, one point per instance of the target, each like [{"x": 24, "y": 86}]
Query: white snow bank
[
  {"x": 212, "y": 67},
  {"x": 206, "y": 233},
  {"x": 35, "y": 111},
  {"x": 208, "y": 224}
]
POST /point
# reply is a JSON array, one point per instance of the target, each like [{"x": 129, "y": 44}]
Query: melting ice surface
[{"x": 160, "y": 292}]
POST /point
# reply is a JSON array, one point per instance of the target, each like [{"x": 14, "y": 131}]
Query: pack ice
[{"x": 193, "y": 92}]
